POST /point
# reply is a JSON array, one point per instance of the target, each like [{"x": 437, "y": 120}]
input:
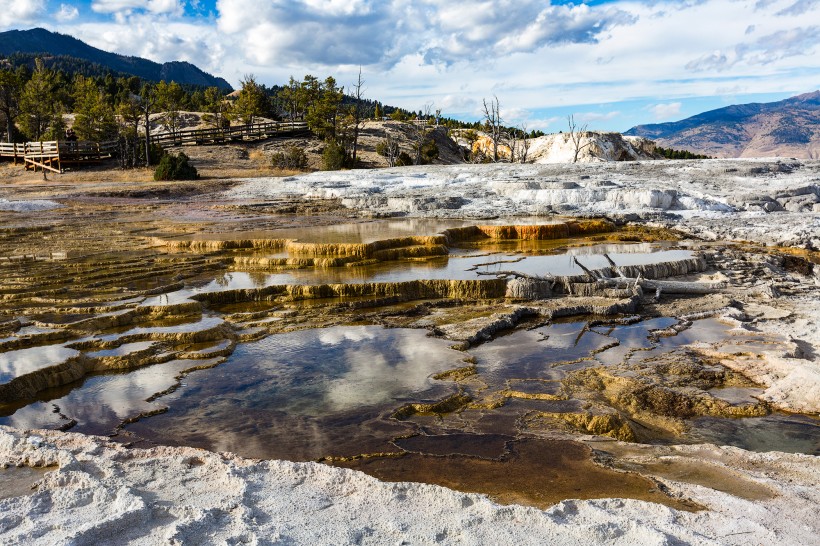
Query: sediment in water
[
  {"x": 407, "y": 290},
  {"x": 560, "y": 230}
]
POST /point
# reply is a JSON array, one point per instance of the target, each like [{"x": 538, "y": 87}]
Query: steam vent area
[{"x": 612, "y": 373}]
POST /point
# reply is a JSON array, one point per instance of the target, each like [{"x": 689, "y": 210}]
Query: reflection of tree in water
[
  {"x": 224, "y": 280},
  {"x": 258, "y": 277}
]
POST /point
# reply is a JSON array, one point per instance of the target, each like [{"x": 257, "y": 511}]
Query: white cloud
[
  {"x": 67, "y": 13},
  {"x": 543, "y": 124},
  {"x": 16, "y": 12},
  {"x": 596, "y": 117},
  {"x": 765, "y": 50},
  {"x": 534, "y": 54},
  {"x": 665, "y": 110},
  {"x": 143, "y": 37},
  {"x": 711, "y": 61},
  {"x": 372, "y": 32},
  {"x": 126, "y": 7},
  {"x": 458, "y": 104},
  {"x": 799, "y": 7}
]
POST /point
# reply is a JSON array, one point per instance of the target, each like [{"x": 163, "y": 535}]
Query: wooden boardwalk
[
  {"x": 256, "y": 131},
  {"x": 52, "y": 155}
]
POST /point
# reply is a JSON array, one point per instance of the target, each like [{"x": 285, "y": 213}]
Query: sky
[{"x": 612, "y": 64}]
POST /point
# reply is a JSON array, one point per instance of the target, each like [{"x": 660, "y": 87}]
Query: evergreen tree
[
  {"x": 129, "y": 111},
  {"x": 148, "y": 103},
  {"x": 290, "y": 96},
  {"x": 94, "y": 115},
  {"x": 216, "y": 106},
  {"x": 40, "y": 109},
  {"x": 11, "y": 88},
  {"x": 323, "y": 114},
  {"x": 170, "y": 98},
  {"x": 252, "y": 101}
]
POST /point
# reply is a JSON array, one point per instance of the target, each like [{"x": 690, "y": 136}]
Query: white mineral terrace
[
  {"x": 103, "y": 493},
  {"x": 771, "y": 201},
  {"x": 74, "y": 489}
]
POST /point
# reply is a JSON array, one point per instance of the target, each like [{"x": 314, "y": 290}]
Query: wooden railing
[
  {"x": 83, "y": 150},
  {"x": 50, "y": 155},
  {"x": 254, "y": 131},
  {"x": 12, "y": 149}
]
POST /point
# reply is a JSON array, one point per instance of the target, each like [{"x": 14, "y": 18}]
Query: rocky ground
[
  {"x": 63, "y": 488},
  {"x": 94, "y": 492}
]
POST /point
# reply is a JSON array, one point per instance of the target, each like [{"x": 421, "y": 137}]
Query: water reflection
[
  {"x": 101, "y": 402},
  {"x": 363, "y": 232},
  {"x": 307, "y": 394},
  {"x": 16, "y": 363},
  {"x": 532, "y": 353},
  {"x": 630, "y": 337},
  {"x": 443, "y": 268},
  {"x": 775, "y": 432}
]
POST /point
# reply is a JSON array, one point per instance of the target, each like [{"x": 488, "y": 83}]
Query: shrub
[
  {"x": 404, "y": 160},
  {"x": 175, "y": 167},
  {"x": 157, "y": 153},
  {"x": 670, "y": 153},
  {"x": 292, "y": 158},
  {"x": 334, "y": 157},
  {"x": 387, "y": 148},
  {"x": 429, "y": 152}
]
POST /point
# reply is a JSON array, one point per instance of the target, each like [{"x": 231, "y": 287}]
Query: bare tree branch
[
  {"x": 356, "y": 113},
  {"x": 492, "y": 120},
  {"x": 525, "y": 144},
  {"x": 576, "y": 135}
]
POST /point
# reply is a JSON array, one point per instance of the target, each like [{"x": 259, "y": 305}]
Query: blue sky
[{"x": 611, "y": 63}]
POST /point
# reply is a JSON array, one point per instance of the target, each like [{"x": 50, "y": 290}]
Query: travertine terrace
[{"x": 536, "y": 354}]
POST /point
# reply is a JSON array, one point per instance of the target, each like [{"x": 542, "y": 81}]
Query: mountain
[
  {"x": 42, "y": 41},
  {"x": 787, "y": 128}
]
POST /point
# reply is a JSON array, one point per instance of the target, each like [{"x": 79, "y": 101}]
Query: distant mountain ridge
[
  {"x": 786, "y": 128},
  {"x": 42, "y": 41}
]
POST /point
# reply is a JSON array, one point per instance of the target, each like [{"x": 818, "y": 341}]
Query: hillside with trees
[{"x": 66, "y": 53}]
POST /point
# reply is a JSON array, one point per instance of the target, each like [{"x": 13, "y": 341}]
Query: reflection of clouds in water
[
  {"x": 16, "y": 363},
  {"x": 335, "y": 336},
  {"x": 563, "y": 336},
  {"x": 612, "y": 249},
  {"x": 103, "y": 401},
  {"x": 401, "y": 364}
]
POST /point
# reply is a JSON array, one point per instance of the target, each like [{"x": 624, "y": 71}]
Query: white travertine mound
[
  {"x": 32, "y": 205},
  {"x": 775, "y": 202},
  {"x": 792, "y": 380},
  {"x": 591, "y": 147},
  {"x": 104, "y": 493}
]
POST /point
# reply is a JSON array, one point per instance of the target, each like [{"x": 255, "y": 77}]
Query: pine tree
[
  {"x": 94, "y": 116},
  {"x": 11, "y": 89},
  {"x": 40, "y": 109},
  {"x": 290, "y": 95},
  {"x": 148, "y": 103},
  {"x": 170, "y": 98},
  {"x": 322, "y": 115},
  {"x": 130, "y": 114},
  {"x": 217, "y": 107},
  {"x": 252, "y": 101}
]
